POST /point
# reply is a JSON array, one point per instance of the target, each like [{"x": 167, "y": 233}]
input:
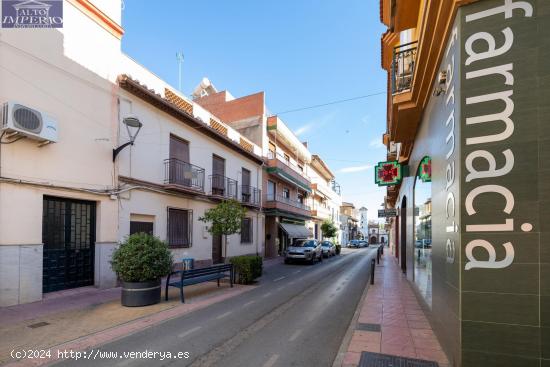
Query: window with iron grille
[
  {"x": 141, "y": 227},
  {"x": 246, "y": 230},
  {"x": 180, "y": 227}
]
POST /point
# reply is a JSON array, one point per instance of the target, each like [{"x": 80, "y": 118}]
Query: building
[
  {"x": 349, "y": 223},
  {"x": 66, "y": 198},
  {"x": 363, "y": 222},
  {"x": 376, "y": 233},
  {"x": 325, "y": 199},
  {"x": 286, "y": 183},
  {"x": 467, "y": 128}
]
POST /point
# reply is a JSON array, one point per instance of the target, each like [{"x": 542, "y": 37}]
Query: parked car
[
  {"x": 328, "y": 248},
  {"x": 304, "y": 250},
  {"x": 363, "y": 243},
  {"x": 354, "y": 243}
]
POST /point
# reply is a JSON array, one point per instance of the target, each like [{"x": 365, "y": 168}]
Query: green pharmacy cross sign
[
  {"x": 425, "y": 170},
  {"x": 388, "y": 173}
]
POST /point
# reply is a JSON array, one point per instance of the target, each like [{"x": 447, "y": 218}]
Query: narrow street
[{"x": 298, "y": 315}]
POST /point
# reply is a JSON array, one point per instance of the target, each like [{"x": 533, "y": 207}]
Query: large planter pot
[{"x": 140, "y": 293}]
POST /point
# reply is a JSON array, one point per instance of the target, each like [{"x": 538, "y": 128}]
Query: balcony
[
  {"x": 287, "y": 171},
  {"x": 321, "y": 212},
  {"x": 250, "y": 195},
  {"x": 336, "y": 187},
  {"x": 402, "y": 69},
  {"x": 286, "y": 204},
  {"x": 223, "y": 187},
  {"x": 180, "y": 175}
]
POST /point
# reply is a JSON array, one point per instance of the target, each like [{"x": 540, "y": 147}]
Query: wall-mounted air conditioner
[{"x": 26, "y": 121}]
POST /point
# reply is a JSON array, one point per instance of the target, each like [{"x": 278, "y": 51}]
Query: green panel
[
  {"x": 522, "y": 341},
  {"x": 501, "y": 308},
  {"x": 481, "y": 359}
]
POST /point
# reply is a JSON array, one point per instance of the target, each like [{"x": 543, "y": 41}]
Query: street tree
[
  {"x": 224, "y": 219},
  {"x": 329, "y": 229}
]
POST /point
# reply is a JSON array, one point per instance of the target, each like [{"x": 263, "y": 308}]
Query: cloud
[
  {"x": 376, "y": 143},
  {"x": 303, "y": 129},
  {"x": 356, "y": 168}
]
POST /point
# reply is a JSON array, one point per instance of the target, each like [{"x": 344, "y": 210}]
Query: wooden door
[
  {"x": 180, "y": 169},
  {"x": 218, "y": 175},
  {"x": 217, "y": 257},
  {"x": 246, "y": 191}
]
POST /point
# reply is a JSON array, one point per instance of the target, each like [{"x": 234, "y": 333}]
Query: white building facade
[{"x": 64, "y": 206}]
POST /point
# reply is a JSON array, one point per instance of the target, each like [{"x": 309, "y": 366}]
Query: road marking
[
  {"x": 295, "y": 335},
  {"x": 292, "y": 282},
  {"x": 190, "y": 331},
  {"x": 280, "y": 288},
  {"x": 271, "y": 361},
  {"x": 267, "y": 295},
  {"x": 281, "y": 278},
  {"x": 248, "y": 303},
  {"x": 224, "y": 315},
  {"x": 297, "y": 271}
]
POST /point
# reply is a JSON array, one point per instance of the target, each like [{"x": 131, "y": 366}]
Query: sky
[{"x": 300, "y": 52}]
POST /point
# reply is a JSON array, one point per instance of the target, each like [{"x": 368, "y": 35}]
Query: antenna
[{"x": 179, "y": 57}]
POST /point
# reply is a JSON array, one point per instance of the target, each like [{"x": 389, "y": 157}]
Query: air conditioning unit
[{"x": 26, "y": 121}]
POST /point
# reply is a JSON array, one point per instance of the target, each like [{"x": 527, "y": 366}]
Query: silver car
[
  {"x": 328, "y": 248},
  {"x": 304, "y": 250}
]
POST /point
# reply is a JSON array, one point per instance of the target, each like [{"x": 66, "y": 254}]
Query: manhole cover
[
  {"x": 367, "y": 327},
  {"x": 38, "y": 324},
  {"x": 369, "y": 359}
]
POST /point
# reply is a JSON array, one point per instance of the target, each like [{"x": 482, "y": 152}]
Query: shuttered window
[
  {"x": 246, "y": 230},
  {"x": 141, "y": 227},
  {"x": 180, "y": 227}
]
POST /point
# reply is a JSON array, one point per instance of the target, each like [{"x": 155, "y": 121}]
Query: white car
[
  {"x": 329, "y": 249},
  {"x": 304, "y": 250}
]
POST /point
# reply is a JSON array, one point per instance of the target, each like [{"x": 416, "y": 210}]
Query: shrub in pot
[
  {"x": 338, "y": 249},
  {"x": 140, "y": 262},
  {"x": 247, "y": 268}
]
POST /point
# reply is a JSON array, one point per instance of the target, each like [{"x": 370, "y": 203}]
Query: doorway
[
  {"x": 403, "y": 237},
  {"x": 218, "y": 175},
  {"x": 217, "y": 257},
  {"x": 180, "y": 169},
  {"x": 68, "y": 235}
]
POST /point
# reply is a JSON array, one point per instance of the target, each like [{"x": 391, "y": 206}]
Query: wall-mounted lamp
[{"x": 133, "y": 125}]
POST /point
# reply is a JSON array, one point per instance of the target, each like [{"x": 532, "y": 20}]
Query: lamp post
[{"x": 133, "y": 125}]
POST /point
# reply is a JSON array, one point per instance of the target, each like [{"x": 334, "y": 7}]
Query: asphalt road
[{"x": 297, "y": 316}]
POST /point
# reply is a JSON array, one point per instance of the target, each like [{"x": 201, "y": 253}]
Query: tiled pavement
[{"x": 404, "y": 328}]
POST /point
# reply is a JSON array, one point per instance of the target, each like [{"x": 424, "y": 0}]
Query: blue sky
[{"x": 301, "y": 53}]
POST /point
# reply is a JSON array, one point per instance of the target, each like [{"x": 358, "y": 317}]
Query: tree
[
  {"x": 225, "y": 219},
  {"x": 329, "y": 229}
]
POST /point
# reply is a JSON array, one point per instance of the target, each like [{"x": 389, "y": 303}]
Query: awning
[{"x": 295, "y": 230}]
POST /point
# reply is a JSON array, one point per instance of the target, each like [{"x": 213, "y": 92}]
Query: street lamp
[{"x": 133, "y": 125}]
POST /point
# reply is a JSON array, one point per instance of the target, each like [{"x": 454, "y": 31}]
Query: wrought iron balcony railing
[
  {"x": 250, "y": 195},
  {"x": 223, "y": 186},
  {"x": 404, "y": 60},
  {"x": 288, "y": 201},
  {"x": 184, "y": 174}
]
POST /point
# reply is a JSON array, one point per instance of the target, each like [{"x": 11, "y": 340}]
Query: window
[
  {"x": 271, "y": 190},
  {"x": 272, "y": 150},
  {"x": 286, "y": 193},
  {"x": 301, "y": 168},
  {"x": 423, "y": 230},
  {"x": 180, "y": 227},
  {"x": 141, "y": 227},
  {"x": 246, "y": 230},
  {"x": 287, "y": 159},
  {"x": 300, "y": 198}
]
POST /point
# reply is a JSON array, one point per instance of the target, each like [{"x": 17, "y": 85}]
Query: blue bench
[{"x": 195, "y": 276}]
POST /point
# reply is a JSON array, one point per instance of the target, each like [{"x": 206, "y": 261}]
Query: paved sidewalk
[
  {"x": 84, "y": 318},
  {"x": 404, "y": 328}
]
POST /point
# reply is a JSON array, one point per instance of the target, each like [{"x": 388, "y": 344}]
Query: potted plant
[{"x": 140, "y": 262}]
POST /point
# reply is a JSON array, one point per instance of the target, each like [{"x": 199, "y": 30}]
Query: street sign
[{"x": 384, "y": 213}]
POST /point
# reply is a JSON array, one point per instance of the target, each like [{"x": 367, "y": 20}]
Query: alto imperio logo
[{"x": 32, "y": 13}]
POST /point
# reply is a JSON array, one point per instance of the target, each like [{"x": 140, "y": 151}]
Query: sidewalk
[
  {"x": 391, "y": 321},
  {"x": 83, "y": 318}
]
